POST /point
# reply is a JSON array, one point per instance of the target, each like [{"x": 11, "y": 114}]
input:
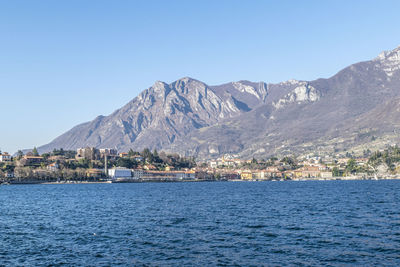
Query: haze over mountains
[{"x": 356, "y": 109}]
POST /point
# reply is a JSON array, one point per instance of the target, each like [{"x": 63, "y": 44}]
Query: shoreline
[{"x": 195, "y": 181}]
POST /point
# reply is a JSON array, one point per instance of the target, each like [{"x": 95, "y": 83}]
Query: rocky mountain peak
[
  {"x": 291, "y": 82},
  {"x": 391, "y": 55},
  {"x": 189, "y": 85},
  {"x": 160, "y": 87},
  {"x": 389, "y": 61},
  {"x": 159, "y": 84},
  {"x": 187, "y": 79}
]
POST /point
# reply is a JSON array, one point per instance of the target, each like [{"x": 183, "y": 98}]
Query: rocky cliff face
[{"x": 254, "y": 119}]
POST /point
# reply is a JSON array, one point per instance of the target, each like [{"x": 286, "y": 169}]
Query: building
[
  {"x": 209, "y": 175},
  {"x": 9, "y": 174},
  {"x": 307, "y": 172},
  {"x": 343, "y": 161},
  {"x": 31, "y": 160},
  {"x": 229, "y": 176},
  {"x": 225, "y": 161},
  {"x": 149, "y": 167},
  {"x": 109, "y": 152},
  {"x": 246, "y": 175},
  {"x": 258, "y": 175},
  {"x": 362, "y": 161},
  {"x": 57, "y": 158},
  {"x": 138, "y": 158},
  {"x": 138, "y": 173},
  {"x": 5, "y": 157},
  {"x": 186, "y": 174},
  {"x": 326, "y": 174},
  {"x": 169, "y": 168},
  {"x": 262, "y": 175},
  {"x": 169, "y": 175},
  {"x": 163, "y": 175},
  {"x": 94, "y": 173},
  {"x": 272, "y": 172},
  {"x": 213, "y": 164},
  {"x": 119, "y": 173},
  {"x": 89, "y": 153},
  {"x": 53, "y": 167}
]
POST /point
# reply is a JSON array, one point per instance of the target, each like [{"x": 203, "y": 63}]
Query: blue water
[{"x": 334, "y": 223}]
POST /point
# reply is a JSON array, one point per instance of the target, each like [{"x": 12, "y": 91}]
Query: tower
[{"x": 105, "y": 165}]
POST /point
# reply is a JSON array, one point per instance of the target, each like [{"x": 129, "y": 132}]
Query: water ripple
[{"x": 337, "y": 223}]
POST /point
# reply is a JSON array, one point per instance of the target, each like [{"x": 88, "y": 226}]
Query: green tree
[
  {"x": 336, "y": 172},
  {"x": 126, "y": 162},
  {"x": 155, "y": 153},
  {"x": 84, "y": 163},
  {"x": 351, "y": 166},
  {"x": 289, "y": 161},
  {"x": 147, "y": 155},
  {"x": 156, "y": 157},
  {"x": 35, "y": 152}
]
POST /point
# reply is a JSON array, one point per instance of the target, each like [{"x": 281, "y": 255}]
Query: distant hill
[{"x": 357, "y": 108}]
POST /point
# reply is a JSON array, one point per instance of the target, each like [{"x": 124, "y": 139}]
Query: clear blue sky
[{"x": 65, "y": 62}]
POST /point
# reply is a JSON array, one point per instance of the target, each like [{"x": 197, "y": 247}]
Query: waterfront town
[{"x": 108, "y": 165}]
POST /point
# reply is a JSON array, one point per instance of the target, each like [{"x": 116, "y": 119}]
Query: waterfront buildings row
[
  {"x": 224, "y": 168},
  {"x": 128, "y": 175},
  {"x": 308, "y": 167},
  {"x": 275, "y": 173}
]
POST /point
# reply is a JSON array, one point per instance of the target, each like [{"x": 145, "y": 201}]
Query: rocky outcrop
[{"x": 303, "y": 92}]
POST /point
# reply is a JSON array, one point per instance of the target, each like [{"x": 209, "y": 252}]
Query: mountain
[
  {"x": 355, "y": 109},
  {"x": 163, "y": 113}
]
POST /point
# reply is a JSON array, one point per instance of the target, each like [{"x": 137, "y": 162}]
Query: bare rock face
[
  {"x": 389, "y": 61},
  {"x": 254, "y": 119},
  {"x": 303, "y": 92}
]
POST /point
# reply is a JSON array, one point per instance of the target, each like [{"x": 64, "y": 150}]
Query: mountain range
[{"x": 356, "y": 109}]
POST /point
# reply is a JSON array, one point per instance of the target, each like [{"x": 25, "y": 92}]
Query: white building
[
  {"x": 185, "y": 174},
  {"x": 53, "y": 167},
  {"x": 326, "y": 174},
  {"x": 138, "y": 158},
  {"x": 213, "y": 164},
  {"x": 119, "y": 173},
  {"x": 5, "y": 157}
]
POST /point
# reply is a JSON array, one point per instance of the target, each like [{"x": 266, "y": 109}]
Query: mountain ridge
[{"x": 247, "y": 118}]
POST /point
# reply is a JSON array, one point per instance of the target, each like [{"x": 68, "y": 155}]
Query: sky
[{"x": 63, "y": 62}]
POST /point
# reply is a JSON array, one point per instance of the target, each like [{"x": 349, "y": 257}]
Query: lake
[{"x": 334, "y": 223}]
